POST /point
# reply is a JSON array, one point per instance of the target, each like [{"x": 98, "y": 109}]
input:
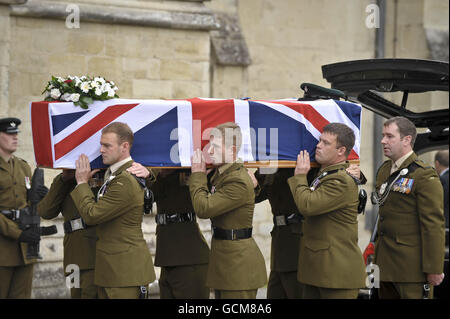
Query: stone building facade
[{"x": 263, "y": 49}]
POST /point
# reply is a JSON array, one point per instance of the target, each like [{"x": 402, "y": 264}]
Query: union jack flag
[{"x": 167, "y": 131}]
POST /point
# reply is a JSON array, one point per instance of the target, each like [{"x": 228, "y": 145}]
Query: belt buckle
[
  {"x": 172, "y": 218},
  {"x": 76, "y": 224},
  {"x": 280, "y": 220},
  {"x": 161, "y": 219},
  {"x": 233, "y": 235}
]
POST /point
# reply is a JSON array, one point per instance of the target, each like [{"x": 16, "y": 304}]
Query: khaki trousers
[
  {"x": 402, "y": 290},
  {"x": 284, "y": 285},
  {"x": 16, "y": 282},
  {"x": 313, "y": 292},
  {"x": 118, "y": 292},
  {"x": 184, "y": 282},
  {"x": 87, "y": 290},
  {"x": 235, "y": 294}
]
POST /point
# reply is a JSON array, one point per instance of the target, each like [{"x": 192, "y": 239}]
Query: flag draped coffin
[{"x": 167, "y": 131}]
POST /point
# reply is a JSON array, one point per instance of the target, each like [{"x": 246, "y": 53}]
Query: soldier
[
  {"x": 79, "y": 240},
  {"x": 287, "y": 230},
  {"x": 330, "y": 264},
  {"x": 181, "y": 250},
  {"x": 409, "y": 250},
  {"x": 123, "y": 264},
  {"x": 236, "y": 265},
  {"x": 16, "y": 271}
]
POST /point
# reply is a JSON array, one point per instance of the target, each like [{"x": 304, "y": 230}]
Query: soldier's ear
[
  {"x": 126, "y": 146},
  {"x": 341, "y": 150},
  {"x": 407, "y": 139}
]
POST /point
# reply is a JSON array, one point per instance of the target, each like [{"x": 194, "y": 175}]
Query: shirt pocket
[
  {"x": 317, "y": 245},
  {"x": 112, "y": 249},
  {"x": 407, "y": 240}
]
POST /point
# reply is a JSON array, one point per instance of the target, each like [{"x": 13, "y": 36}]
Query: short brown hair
[
  {"x": 122, "y": 130},
  {"x": 230, "y": 133},
  {"x": 405, "y": 127},
  {"x": 344, "y": 135},
  {"x": 442, "y": 157}
]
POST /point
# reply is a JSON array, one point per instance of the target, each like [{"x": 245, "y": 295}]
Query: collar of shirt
[
  {"x": 400, "y": 161},
  {"x": 443, "y": 172},
  {"x": 331, "y": 167},
  {"x": 114, "y": 167},
  {"x": 224, "y": 167}
]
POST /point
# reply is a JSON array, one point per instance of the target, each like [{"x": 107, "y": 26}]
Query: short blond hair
[
  {"x": 230, "y": 133},
  {"x": 122, "y": 130}
]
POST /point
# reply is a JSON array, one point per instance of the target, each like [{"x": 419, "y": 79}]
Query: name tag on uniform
[{"x": 403, "y": 185}]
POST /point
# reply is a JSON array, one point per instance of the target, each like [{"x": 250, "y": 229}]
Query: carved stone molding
[{"x": 202, "y": 20}]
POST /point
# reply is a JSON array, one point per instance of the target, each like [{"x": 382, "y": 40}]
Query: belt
[
  {"x": 165, "y": 219},
  {"x": 231, "y": 234},
  {"x": 74, "y": 225},
  {"x": 14, "y": 214},
  {"x": 283, "y": 220}
]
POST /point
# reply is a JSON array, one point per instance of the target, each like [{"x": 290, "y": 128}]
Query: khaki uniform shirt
[
  {"x": 411, "y": 233},
  {"x": 122, "y": 256},
  {"x": 13, "y": 195},
  {"x": 329, "y": 254},
  {"x": 234, "y": 264},
  {"x": 79, "y": 246}
]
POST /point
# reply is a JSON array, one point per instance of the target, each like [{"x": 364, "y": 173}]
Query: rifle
[{"x": 31, "y": 218}]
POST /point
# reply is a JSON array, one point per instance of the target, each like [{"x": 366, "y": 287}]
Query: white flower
[
  {"x": 74, "y": 97},
  {"x": 77, "y": 81},
  {"x": 111, "y": 92},
  {"x": 60, "y": 79},
  {"x": 98, "y": 91},
  {"x": 94, "y": 84},
  {"x": 65, "y": 97},
  {"x": 99, "y": 79},
  {"x": 55, "y": 93},
  {"x": 85, "y": 87}
]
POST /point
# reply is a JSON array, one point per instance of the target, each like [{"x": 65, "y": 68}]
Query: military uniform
[
  {"x": 16, "y": 271},
  {"x": 286, "y": 234},
  {"x": 79, "y": 245},
  {"x": 330, "y": 262},
  {"x": 410, "y": 241},
  {"x": 122, "y": 262},
  {"x": 181, "y": 250},
  {"x": 236, "y": 266}
]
